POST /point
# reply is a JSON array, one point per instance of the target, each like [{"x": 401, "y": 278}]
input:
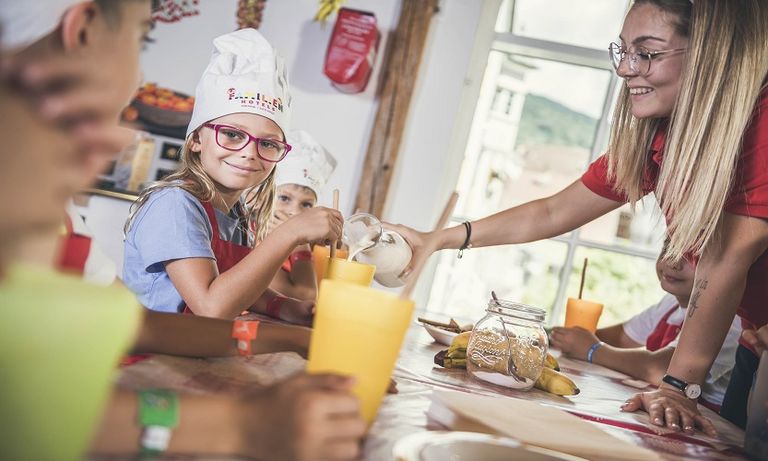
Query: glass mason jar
[{"x": 509, "y": 345}]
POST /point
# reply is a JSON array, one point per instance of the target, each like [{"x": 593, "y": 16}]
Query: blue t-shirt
[{"x": 171, "y": 225}]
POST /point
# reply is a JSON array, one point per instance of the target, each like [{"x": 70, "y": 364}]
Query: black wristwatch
[{"x": 692, "y": 391}]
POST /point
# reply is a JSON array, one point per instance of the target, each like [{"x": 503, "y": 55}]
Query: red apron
[
  {"x": 74, "y": 249},
  {"x": 664, "y": 333},
  {"x": 227, "y": 253}
]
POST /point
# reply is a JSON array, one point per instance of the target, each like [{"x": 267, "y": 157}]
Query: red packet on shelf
[{"x": 352, "y": 50}]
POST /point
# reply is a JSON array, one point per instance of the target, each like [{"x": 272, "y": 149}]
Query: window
[
  {"x": 542, "y": 117},
  {"x": 590, "y": 24}
]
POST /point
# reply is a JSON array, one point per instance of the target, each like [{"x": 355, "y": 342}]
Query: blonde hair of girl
[
  {"x": 727, "y": 62},
  {"x": 192, "y": 178}
]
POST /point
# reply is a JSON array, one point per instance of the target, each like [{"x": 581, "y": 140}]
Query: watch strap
[{"x": 675, "y": 382}]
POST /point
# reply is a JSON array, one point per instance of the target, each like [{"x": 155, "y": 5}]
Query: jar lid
[{"x": 516, "y": 309}]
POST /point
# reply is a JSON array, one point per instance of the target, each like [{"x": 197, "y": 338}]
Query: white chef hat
[
  {"x": 307, "y": 164},
  {"x": 245, "y": 74},
  {"x": 23, "y": 22}
]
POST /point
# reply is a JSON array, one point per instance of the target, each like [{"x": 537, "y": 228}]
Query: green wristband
[{"x": 158, "y": 414}]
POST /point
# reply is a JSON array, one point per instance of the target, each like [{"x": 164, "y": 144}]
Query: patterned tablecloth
[{"x": 404, "y": 413}]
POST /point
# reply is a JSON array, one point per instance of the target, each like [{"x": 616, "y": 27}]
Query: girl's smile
[{"x": 242, "y": 169}]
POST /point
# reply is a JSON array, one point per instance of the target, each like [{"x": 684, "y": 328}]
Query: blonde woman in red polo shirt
[{"x": 691, "y": 126}]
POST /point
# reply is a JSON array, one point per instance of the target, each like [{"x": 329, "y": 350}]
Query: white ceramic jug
[{"x": 369, "y": 243}]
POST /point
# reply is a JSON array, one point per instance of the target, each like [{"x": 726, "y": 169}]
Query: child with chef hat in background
[
  {"x": 300, "y": 179},
  {"x": 189, "y": 244}
]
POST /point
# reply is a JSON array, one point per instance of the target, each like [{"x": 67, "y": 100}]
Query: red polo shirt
[{"x": 749, "y": 198}]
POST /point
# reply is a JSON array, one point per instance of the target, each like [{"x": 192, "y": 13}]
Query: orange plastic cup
[
  {"x": 358, "y": 332},
  {"x": 582, "y": 313},
  {"x": 320, "y": 256},
  {"x": 350, "y": 271}
]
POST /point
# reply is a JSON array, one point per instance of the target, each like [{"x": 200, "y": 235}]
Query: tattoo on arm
[{"x": 700, "y": 286}]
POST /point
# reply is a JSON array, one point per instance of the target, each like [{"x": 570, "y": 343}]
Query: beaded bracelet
[{"x": 466, "y": 245}]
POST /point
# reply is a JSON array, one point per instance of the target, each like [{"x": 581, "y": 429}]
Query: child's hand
[
  {"x": 71, "y": 88},
  {"x": 757, "y": 339},
  {"x": 307, "y": 417},
  {"x": 298, "y": 312},
  {"x": 318, "y": 224},
  {"x": 278, "y": 217},
  {"x": 573, "y": 342}
]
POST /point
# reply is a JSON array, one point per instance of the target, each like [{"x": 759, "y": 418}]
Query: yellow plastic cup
[
  {"x": 582, "y": 313},
  {"x": 358, "y": 332},
  {"x": 320, "y": 256},
  {"x": 350, "y": 271}
]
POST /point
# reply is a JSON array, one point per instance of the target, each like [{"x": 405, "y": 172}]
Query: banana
[
  {"x": 556, "y": 383},
  {"x": 327, "y": 8},
  {"x": 551, "y": 362},
  {"x": 442, "y": 359},
  {"x": 457, "y": 354},
  {"x": 460, "y": 341}
]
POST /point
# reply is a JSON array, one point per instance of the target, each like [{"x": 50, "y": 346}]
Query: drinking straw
[
  {"x": 418, "y": 265},
  {"x": 335, "y": 207},
  {"x": 583, "y": 273}
]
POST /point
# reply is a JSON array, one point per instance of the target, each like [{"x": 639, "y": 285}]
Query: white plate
[
  {"x": 440, "y": 335},
  {"x": 469, "y": 446}
]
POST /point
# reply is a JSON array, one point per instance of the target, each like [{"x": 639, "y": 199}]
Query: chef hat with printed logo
[
  {"x": 245, "y": 74},
  {"x": 307, "y": 164},
  {"x": 23, "y": 22}
]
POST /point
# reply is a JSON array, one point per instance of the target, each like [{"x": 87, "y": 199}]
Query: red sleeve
[
  {"x": 596, "y": 180},
  {"x": 750, "y": 197}
]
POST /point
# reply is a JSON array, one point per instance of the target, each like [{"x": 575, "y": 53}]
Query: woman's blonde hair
[
  {"x": 192, "y": 178},
  {"x": 727, "y": 62}
]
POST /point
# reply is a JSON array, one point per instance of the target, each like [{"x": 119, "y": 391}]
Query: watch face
[{"x": 693, "y": 391}]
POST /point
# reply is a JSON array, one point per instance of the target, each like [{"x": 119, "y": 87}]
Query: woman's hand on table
[
  {"x": 669, "y": 408},
  {"x": 307, "y": 417},
  {"x": 573, "y": 342},
  {"x": 757, "y": 339}
]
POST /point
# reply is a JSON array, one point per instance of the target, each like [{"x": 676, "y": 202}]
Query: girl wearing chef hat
[
  {"x": 188, "y": 245},
  {"x": 300, "y": 179}
]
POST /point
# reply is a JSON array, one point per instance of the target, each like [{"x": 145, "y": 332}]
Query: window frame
[{"x": 508, "y": 42}]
